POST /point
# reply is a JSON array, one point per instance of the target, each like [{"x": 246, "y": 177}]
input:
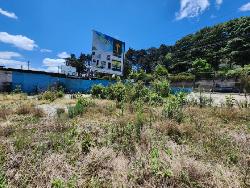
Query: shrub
[
  {"x": 51, "y": 95},
  {"x": 23, "y": 140},
  {"x": 142, "y": 76},
  {"x": 57, "y": 183},
  {"x": 138, "y": 91},
  {"x": 3, "y": 181},
  {"x": 79, "y": 108},
  {"x": 161, "y": 87},
  {"x": 161, "y": 71},
  {"x": 158, "y": 168},
  {"x": 122, "y": 137},
  {"x": 155, "y": 99},
  {"x": 18, "y": 89},
  {"x": 87, "y": 142},
  {"x": 230, "y": 101},
  {"x": 99, "y": 91},
  {"x": 182, "y": 77},
  {"x": 60, "y": 111},
  {"x": 116, "y": 91},
  {"x": 63, "y": 140},
  {"x": 172, "y": 109}
]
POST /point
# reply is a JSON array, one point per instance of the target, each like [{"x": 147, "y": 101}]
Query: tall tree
[{"x": 78, "y": 63}]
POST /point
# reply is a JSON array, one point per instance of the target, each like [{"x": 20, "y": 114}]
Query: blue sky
[{"x": 45, "y": 31}]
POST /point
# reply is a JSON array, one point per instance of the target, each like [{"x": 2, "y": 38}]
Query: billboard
[{"x": 107, "y": 54}]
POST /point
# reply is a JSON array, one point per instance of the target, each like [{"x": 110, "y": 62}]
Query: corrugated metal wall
[{"x": 35, "y": 82}]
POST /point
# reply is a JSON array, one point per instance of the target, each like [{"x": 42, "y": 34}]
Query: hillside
[{"x": 223, "y": 45}]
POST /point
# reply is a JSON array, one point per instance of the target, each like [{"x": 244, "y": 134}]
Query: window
[
  {"x": 97, "y": 63},
  {"x": 109, "y": 65},
  {"x": 108, "y": 57},
  {"x": 93, "y": 53},
  {"x": 94, "y": 60}
]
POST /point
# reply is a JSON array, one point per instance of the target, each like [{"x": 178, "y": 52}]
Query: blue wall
[
  {"x": 35, "y": 82},
  {"x": 175, "y": 90}
]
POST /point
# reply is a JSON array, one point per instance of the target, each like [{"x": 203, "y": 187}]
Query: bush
[
  {"x": 161, "y": 71},
  {"x": 161, "y": 87},
  {"x": 18, "y": 89},
  {"x": 172, "y": 109},
  {"x": 138, "y": 91},
  {"x": 99, "y": 91},
  {"x": 51, "y": 95},
  {"x": 122, "y": 137},
  {"x": 182, "y": 77},
  {"x": 156, "y": 99},
  {"x": 116, "y": 91},
  {"x": 79, "y": 108},
  {"x": 3, "y": 181},
  {"x": 142, "y": 76}
]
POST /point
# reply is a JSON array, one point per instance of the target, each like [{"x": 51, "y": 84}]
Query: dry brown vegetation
[{"x": 131, "y": 146}]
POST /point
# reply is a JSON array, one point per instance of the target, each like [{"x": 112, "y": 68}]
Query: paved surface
[{"x": 220, "y": 98}]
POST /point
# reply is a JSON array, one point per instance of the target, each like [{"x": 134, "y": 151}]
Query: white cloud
[
  {"x": 9, "y": 55},
  {"x": 48, "y": 62},
  {"x": 18, "y": 41},
  {"x": 13, "y": 63},
  {"x": 245, "y": 7},
  {"x": 52, "y": 64},
  {"x": 44, "y": 50},
  {"x": 191, "y": 8},
  {"x": 63, "y": 55},
  {"x": 8, "y": 14},
  {"x": 51, "y": 69},
  {"x": 219, "y": 2}
]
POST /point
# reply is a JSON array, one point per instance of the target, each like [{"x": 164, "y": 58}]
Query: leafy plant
[
  {"x": 18, "y": 89},
  {"x": 99, "y": 91},
  {"x": 51, "y": 95},
  {"x": 161, "y": 87},
  {"x": 79, "y": 108},
  {"x": 87, "y": 142},
  {"x": 3, "y": 181},
  {"x": 172, "y": 108},
  {"x": 158, "y": 167}
]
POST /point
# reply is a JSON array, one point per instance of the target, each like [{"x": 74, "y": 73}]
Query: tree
[
  {"x": 78, "y": 63},
  {"x": 161, "y": 71},
  {"x": 226, "y": 43},
  {"x": 201, "y": 66}
]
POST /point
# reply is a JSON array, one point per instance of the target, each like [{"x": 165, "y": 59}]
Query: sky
[{"x": 44, "y": 32}]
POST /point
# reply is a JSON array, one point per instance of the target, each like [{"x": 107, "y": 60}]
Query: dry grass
[{"x": 104, "y": 147}]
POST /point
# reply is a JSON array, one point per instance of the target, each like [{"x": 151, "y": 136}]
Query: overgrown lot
[{"x": 123, "y": 136}]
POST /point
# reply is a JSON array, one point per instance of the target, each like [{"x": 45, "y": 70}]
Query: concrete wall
[
  {"x": 5, "y": 79},
  {"x": 208, "y": 84},
  {"x": 37, "y": 82}
]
